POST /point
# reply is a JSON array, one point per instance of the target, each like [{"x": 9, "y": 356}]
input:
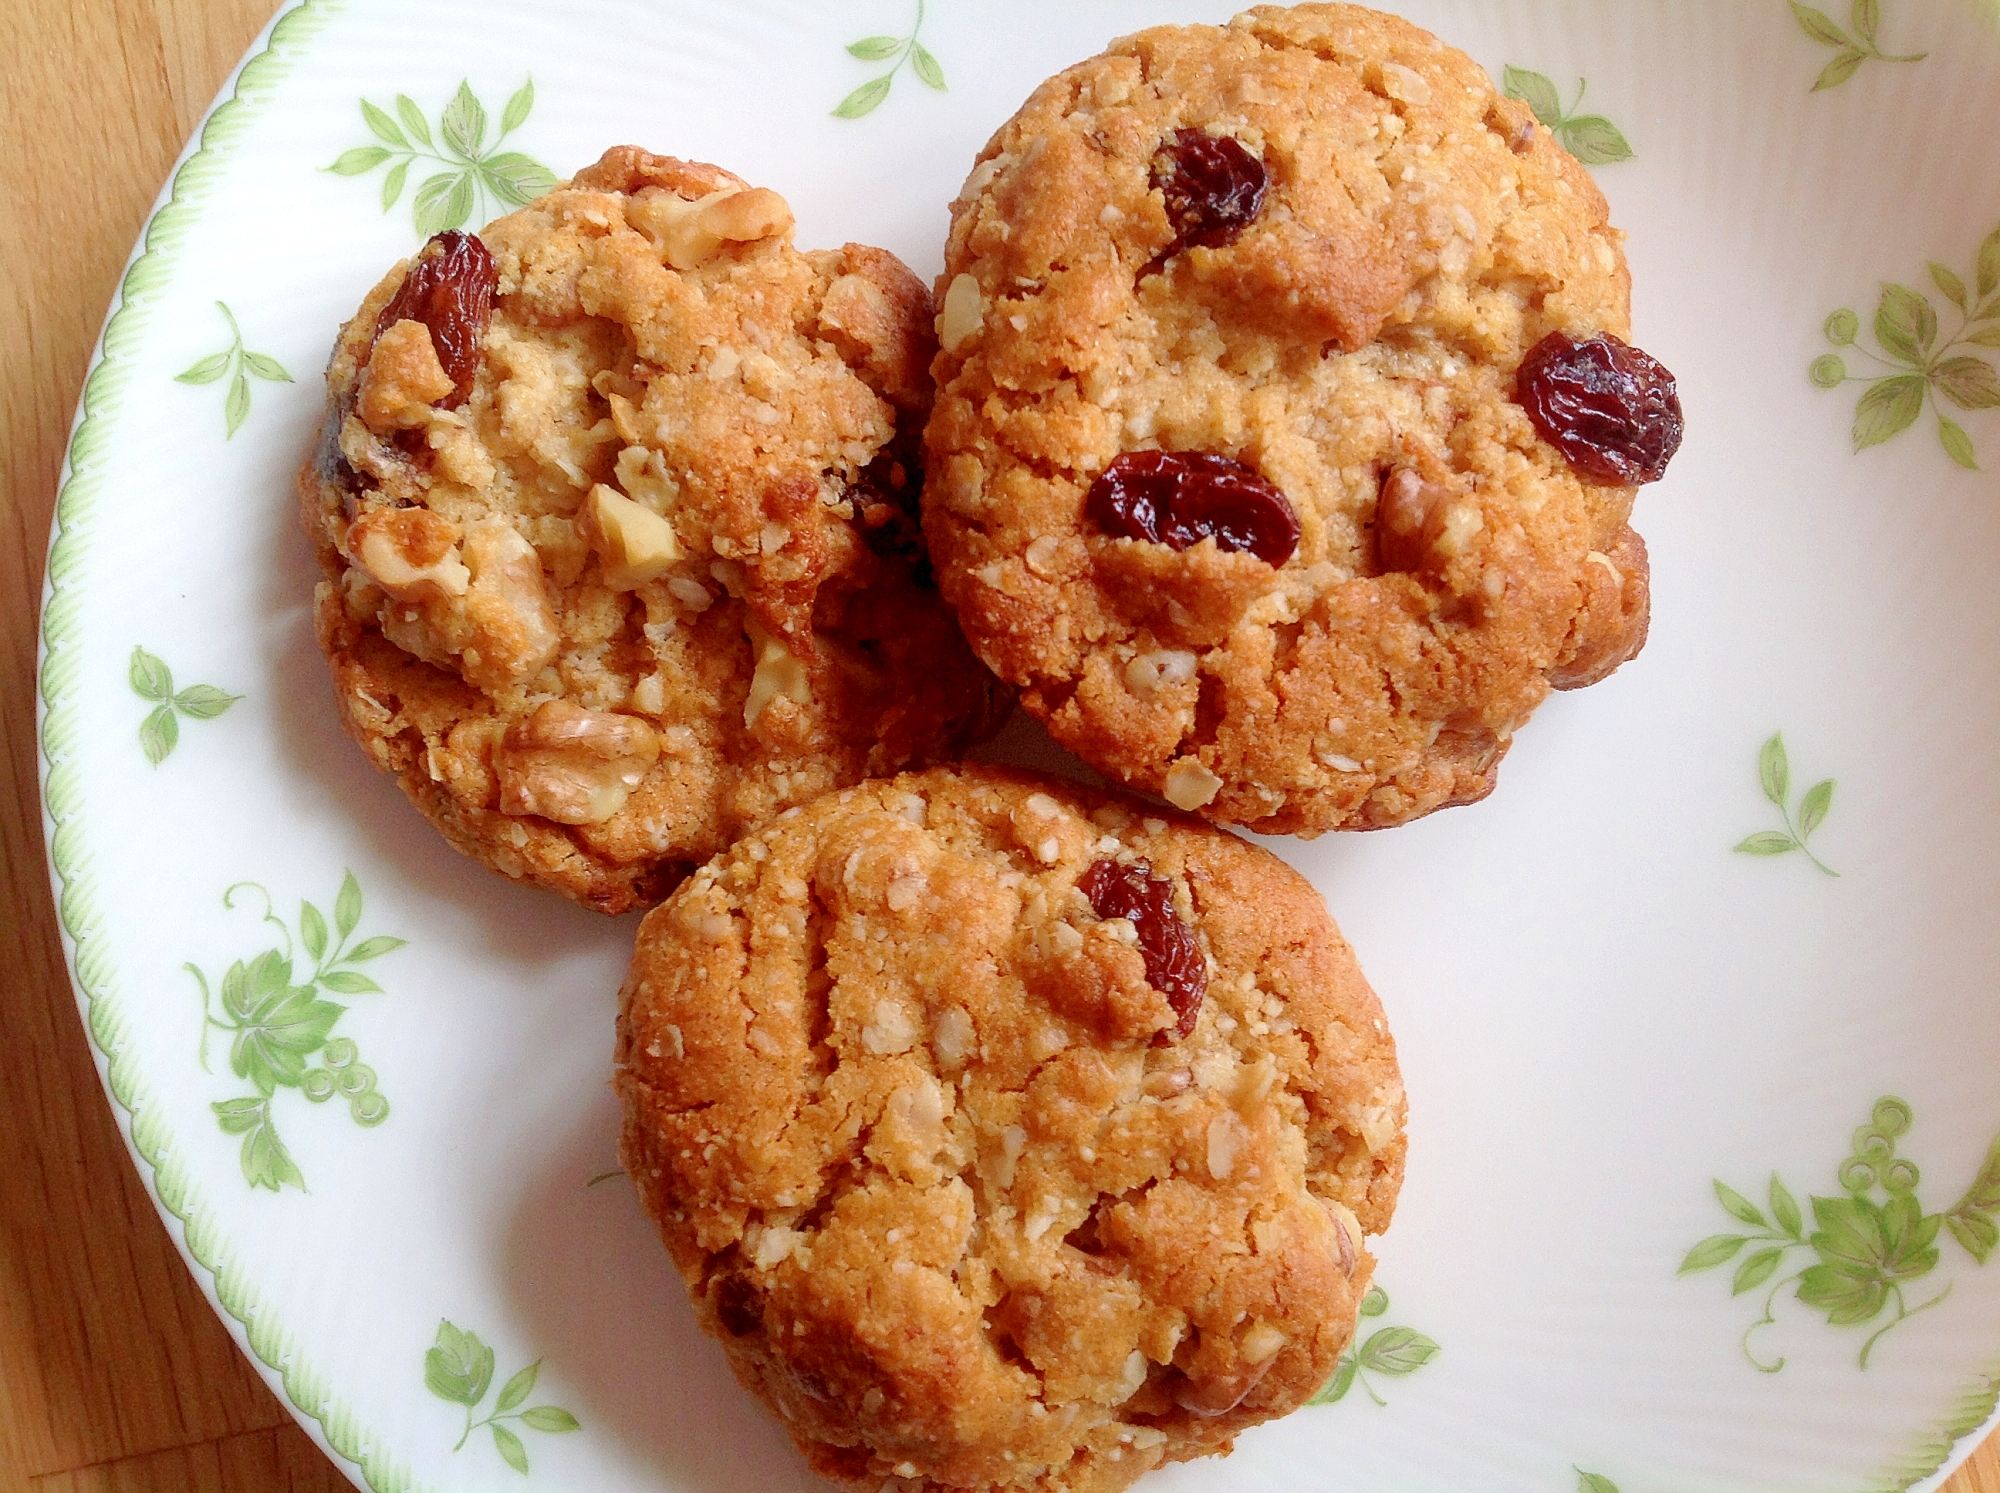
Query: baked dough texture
[
  {"x": 1356, "y": 344},
  {"x": 940, "y": 1175},
  {"x": 656, "y": 576}
]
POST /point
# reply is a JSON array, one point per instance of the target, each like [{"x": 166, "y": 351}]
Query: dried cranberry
[
  {"x": 1179, "y": 498},
  {"x": 450, "y": 290},
  {"x": 1174, "y": 965},
  {"x": 1213, "y": 185},
  {"x": 1609, "y": 408}
]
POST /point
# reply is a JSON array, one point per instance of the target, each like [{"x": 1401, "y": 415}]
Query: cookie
[
  {"x": 1006, "y": 1134},
  {"x": 1229, "y": 470},
  {"x": 616, "y": 507}
]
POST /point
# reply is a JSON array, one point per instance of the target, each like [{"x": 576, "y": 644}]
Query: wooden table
[{"x": 115, "y": 1377}]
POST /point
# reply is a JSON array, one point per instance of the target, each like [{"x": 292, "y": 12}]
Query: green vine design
[
  {"x": 866, "y": 98},
  {"x": 459, "y": 1369},
  {"x": 1593, "y": 1482},
  {"x": 1850, "y": 51},
  {"x": 279, "y": 1023},
  {"x": 87, "y": 505},
  {"x": 1919, "y": 368},
  {"x": 1591, "y": 138},
  {"x": 241, "y": 365},
  {"x": 160, "y": 731},
  {"x": 1395, "y": 1352},
  {"x": 1774, "y": 774},
  {"x": 1866, "y": 1248},
  {"x": 473, "y": 170}
]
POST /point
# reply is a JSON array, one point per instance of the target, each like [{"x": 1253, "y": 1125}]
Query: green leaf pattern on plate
[
  {"x": 474, "y": 170},
  {"x": 1591, "y": 138},
  {"x": 153, "y": 681},
  {"x": 1852, "y": 46},
  {"x": 279, "y": 1022},
  {"x": 459, "y": 1369},
  {"x": 1774, "y": 774},
  {"x": 1865, "y": 1247},
  {"x": 239, "y": 366},
  {"x": 1393, "y": 1352},
  {"x": 1594, "y": 1482},
  {"x": 1918, "y": 368},
  {"x": 866, "y": 98}
]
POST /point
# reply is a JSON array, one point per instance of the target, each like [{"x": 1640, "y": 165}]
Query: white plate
[{"x": 1602, "y": 1006}]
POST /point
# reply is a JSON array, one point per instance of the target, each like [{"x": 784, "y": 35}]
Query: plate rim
[
  {"x": 1935, "y": 1449},
  {"x": 271, "y": 1348}
]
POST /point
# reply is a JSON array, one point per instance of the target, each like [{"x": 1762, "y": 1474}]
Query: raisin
[
  {"x": 886, "y": 496},
  {"x": 1609, "y": 408},
  {"x": 738, "y": 1306},
  {"x": 1179, "y": 498},
  {"x": 1174, "y": 965},
  {"x": 450, "y": 290},
  {"x": 1213, "y": 185}
]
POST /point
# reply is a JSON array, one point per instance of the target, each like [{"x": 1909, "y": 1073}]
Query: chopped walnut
[
  {"x": 402, "y": 381},
  {"x": 1150, "y": 671},
  {"x": 780, "y": 674},
  {"x": 642, "y": 472},
  {"x": 633, "y": 544},
  {"x": 1405, "y": 84},
  {"x": 411, "y": 553},
  {"x": 572, "y": 765},
  {"x": 1409, "y": 517},
  {"x": 962, "y": 314},
  {"x": 689, "y": 234},
  {"x": 1190, "y": 785},
  {"x": 1260, "y": 1342},
  {"x": 481, "y": 604}
]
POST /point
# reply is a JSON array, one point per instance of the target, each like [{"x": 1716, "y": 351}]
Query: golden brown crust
[
  {"x": 1356, "y": 344},
  {"x": 627, "y": 169},
  {"x": 1611, "y": 624},
  {"x": 667, "y": 501},
  {"x": 958, "y": 1205}
]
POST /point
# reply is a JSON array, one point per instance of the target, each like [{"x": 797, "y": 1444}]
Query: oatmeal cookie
[
  {"x": 1007, "y": 1134},
  {"x": 1229, "y": 470},
  {"x": 616, "y": 506}
]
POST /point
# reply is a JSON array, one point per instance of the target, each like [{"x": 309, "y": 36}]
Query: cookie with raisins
[
  {"x": 616, "y": 504},
  {"x": 1007, "y": 1134},
  {"x": 1244, "y": 466}
]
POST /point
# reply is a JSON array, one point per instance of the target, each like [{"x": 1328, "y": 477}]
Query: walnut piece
[
  {"x": 689, "y": 234},
  {"x": 779, "y": 674},
  {"x": 411, "y": 553},
  {"x": 642, "y": 472},
  {"x": 1150, "y": 671},
  {"x": 633, "y": 544},
  {"x": 1190, "y": 785},
  {"x": 480, "y": 605},
  {"x": 962, "y": 314},
  {"x": 572, "y": 765}
]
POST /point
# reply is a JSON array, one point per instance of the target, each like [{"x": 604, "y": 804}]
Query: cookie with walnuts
[
  {"x": 1286, "y": 436},
  {"x": 615, "y": 503},
  {"x": 1009, "y": 1134}
]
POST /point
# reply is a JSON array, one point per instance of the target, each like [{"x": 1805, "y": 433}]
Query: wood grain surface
[{"x": 115, "y": 1376}]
